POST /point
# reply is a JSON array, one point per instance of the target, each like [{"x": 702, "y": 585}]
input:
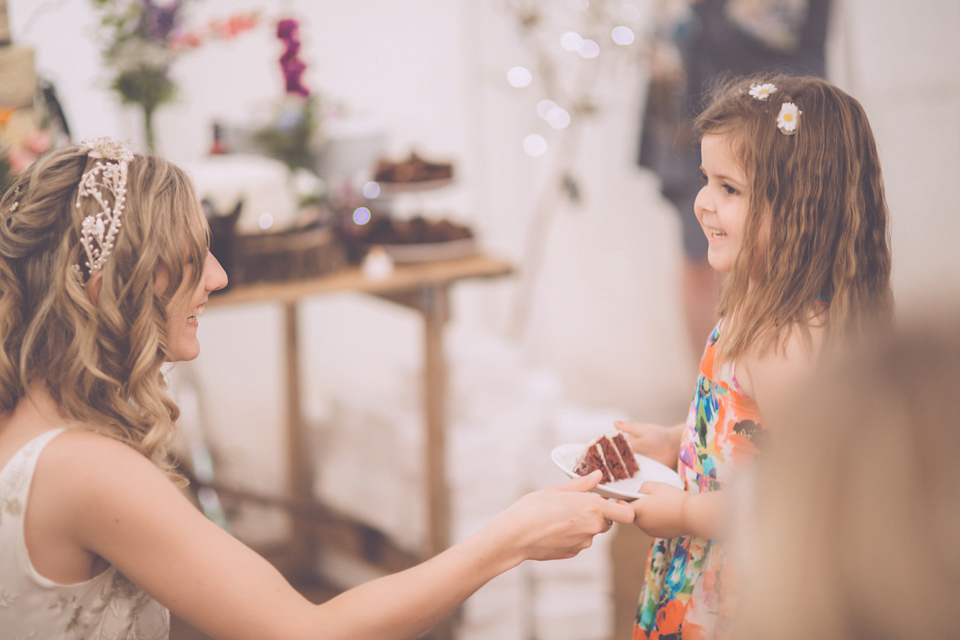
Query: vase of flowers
[{"x": 141, "y": 40}]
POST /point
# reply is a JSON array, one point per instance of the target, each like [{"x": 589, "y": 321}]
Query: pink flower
[
  {"x": 239, "y": 23},
  {"x": 38, "y": 141},
  {"x": 20, "y": 159},
  {"x": 185, "y": 40}
]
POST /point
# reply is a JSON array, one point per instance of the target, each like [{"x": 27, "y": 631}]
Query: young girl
[
  {"x": 104, "y": 272},
  {"x": 794, "y": 212}
]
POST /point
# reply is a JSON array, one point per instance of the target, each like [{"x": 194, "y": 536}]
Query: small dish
[{"x": 565, "y": 456}]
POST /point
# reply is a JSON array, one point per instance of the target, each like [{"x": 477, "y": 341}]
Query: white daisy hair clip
[
  {"x": 762, "y": 91},
  {"x": 107, "y": 176},
  {"x": 787, "y": 119}
]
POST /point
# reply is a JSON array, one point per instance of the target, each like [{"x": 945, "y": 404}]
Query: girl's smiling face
[{"x": 722, "y": 204}]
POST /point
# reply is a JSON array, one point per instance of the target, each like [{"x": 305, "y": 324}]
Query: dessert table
[{"x": 423, "y": 287}]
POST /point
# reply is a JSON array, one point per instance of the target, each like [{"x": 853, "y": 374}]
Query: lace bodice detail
[{"x": 107, "y": 607}]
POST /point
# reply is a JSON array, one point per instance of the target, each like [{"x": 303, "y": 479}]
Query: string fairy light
[{"x": 565, "y": 91}]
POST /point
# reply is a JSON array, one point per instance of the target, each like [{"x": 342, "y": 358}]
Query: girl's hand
[
  {"x": 560, "y": 521},
  {"x": 653, "y": 440},
  {"x": 659, "y": 512}
]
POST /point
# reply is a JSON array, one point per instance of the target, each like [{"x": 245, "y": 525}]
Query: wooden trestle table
[{"x": 423, "y": 287}]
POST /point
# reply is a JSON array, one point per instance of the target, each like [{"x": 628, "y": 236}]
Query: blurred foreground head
[{"x": 857, "y": 526}]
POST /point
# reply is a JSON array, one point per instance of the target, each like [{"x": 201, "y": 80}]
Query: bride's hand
[{"x": 560, "y": 521}]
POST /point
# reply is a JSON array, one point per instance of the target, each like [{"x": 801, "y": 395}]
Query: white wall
[{"x": 905, "y": 68}]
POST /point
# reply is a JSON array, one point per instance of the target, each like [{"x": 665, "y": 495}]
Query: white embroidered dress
[{"x": 107, "y": 607}]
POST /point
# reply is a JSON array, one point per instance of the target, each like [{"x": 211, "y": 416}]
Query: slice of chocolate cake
[
  {"x": 612, "y": 457},
  {"x": 607, "y": 454},
  {"x": 590, "y": 461},
  {"x": 626, "y": 454}
]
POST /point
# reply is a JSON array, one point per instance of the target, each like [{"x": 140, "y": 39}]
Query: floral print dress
[{"x": 686, "y": 592}]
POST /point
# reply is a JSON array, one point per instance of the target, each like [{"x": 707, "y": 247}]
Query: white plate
[{"x": 565, "y": 456}]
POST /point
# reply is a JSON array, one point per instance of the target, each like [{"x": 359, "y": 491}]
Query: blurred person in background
[{"x": 856, "y": 529}]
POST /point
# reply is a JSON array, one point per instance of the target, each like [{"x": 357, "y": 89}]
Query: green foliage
[
  {"x": 7, "y": 176},
  {"x": 146, "y": 86},
  {"x": 289, "y": 137}
]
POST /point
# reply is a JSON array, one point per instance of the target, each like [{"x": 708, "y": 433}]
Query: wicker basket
[{"x": 287, "y": 255}]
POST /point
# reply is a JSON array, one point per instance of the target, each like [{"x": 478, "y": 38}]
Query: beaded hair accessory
[
  {"x": 789, "y": 112},
  {"x": 107, "y": 176},
  {"x": 16, "y": 201}
]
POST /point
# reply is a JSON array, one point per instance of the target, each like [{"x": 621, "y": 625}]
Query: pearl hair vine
[
  {"x": 16, "y": 202},
  {"x": 107, "y": 176}
]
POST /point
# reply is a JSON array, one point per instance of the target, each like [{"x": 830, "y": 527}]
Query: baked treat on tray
[
  {"x": 411, "y": 170},
  {"x": 415, "y": 230},
  {"x": 407, "y": 240},
  {"x": 610, "y": 454}
]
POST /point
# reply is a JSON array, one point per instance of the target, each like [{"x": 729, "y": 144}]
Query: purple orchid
[{"x": 290, "y": 63}]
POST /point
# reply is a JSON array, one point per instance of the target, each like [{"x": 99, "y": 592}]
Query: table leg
[
  {"x": 434, "y": 306},
  {"x": 297, "y": 477}
]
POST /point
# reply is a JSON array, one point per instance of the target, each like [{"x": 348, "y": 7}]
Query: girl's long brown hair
[
  {"x": 100, "y": 362},
  {"x": 816, "y": 228}
]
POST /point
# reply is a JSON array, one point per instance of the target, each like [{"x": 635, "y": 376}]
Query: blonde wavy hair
[
  {"x": 100, "y": 362},
  {"x": 816, "y": 227}
]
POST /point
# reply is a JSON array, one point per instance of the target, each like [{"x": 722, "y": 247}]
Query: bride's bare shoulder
[{"x": 83, "y": 454}]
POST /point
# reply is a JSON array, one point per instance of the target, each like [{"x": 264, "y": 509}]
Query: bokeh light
[
  {"x": 544, "y": 107},
  {"x": 622, "y": 35},
  {"x": 265, "y": 221},
  {"x": 630, "y": 12},
  {"x": 370, "y": 190},
  {"x": 558, "y": 118},
  {"x": 589, "y": 49},
  {"x": 571, "y": 41},
  {"x": 361, "y": 215},
  {"x": 535, "y": 145},
  {"x": 519, "y": 77}
]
